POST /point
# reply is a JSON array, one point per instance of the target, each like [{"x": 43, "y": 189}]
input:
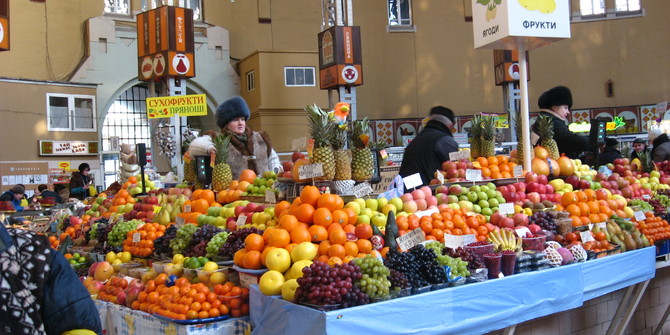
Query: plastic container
[
  {"x": 508, "y": 263},
  {"x": 419, "y": 290},
  {"x": 492, "y": 262},
  {"x": 534, "y": 243},
  {"x": 159, "y": 266},
  {"x": 440, "y": 286},
  {"x": 388, "y": 297},
  {"x": 323, "y": 308},
  {"x": 403, "y": 292},
  {"x": 481, "y": 250},
  {"x": 211, "y": 278},
  {"x": 236, "y": 303},
  {"x": 125, "y": 268},
  {"x": 190, "y": 274}
]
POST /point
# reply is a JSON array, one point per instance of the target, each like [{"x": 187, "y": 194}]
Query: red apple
[
  {"x": 534, "y": 197},
  {"x": 520, "y": 219},
  {"x": 530, "y": 177}
]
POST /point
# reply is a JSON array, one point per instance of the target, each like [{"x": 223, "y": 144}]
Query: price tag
[
  {"x": 246, "y": 280},
  {"x": 179, "y": 222},
  {"x": 458, "y": 155},
  {"x": 590, "y": 226},
  {"x": 383, "y": 153},
  {"x": 412, "y": 181},
  {"x": 646, "y": 196},
  {"x": 310, "y": 171},
  {"x": 427, "y": 212},
  {"x": 411, "y": 239},
  {"x": 518, "y": 170},
  {"x": 136, "y": 237},
  {"x": 187, "y": 208},
  {"x": 440, "y": 176},
  {"x": 299, "y": 144},
  {"x": 506, "y": 208},
  {"x": 270, "y": 196},
  {"x": 361, "y": 189},
  {"x": 586, "y": 236},
  {"x": 639, "y": 216},
  {"x": 602, "y": 225},
  {"x": 453, "y": 241},
  {"x": 473, "y": 175},
  {"x": 469, "y": 238},
  {"x": 522, "y": 231},
  {"x": 241, "y": 220},
  {"x": 157, "y": 209}
]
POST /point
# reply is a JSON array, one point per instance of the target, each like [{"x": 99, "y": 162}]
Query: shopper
[
  {"x": 608, "y": 151},
  {"x": 639, "y": 145},
  {"x": 80, "y": 182},
  {"x": 249, "y": 149},
  {"x": 428, "y": 150},
  {"x": 39, "y": 292},
  {"x": 661, "y": 150},
  {"x": 15, "y": 195},
  {"x": 62, "y": 191},
  {"x": 43, "y": 192},
  {"x": 556, "y": 103}
]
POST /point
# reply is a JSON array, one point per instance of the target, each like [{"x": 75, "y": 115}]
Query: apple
[
  {"x": 288, "y": 289},
  {"x": 441, "y": 198},
  {"x": 449, "y": 166},
  {"x": 355, "y": 206},
  {"x": 520, "y": 219},
  {"x": 378, "y": 220},
  {"x": 279, "y": 259},
  {"x": 389, "y": 208},
  {"x": 455, "y": 190},
  {"x": 361, "y": 202},
  {"x": 506, "y": 223},
  {"x": 271, "y": 282},
  {"x": 410, "y": 206},
  {"x": 372, "y": 204},
  {"x": 530, "y": 177},
  {"x": 497, "y": 217},
  {"x": 364, "y": 219},
  {"x": 534, "y": 197},
  {"x": 418, "y": 194},
  {"x": 421, "y": 204},
  {"x": 469, "y": 206},
  {"x": 297, "y": 155},
  {"x": 397, "y": 202}
]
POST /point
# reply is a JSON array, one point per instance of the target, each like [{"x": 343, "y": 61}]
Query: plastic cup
[
  {"x": 492, "y": 263},
  {"x": 508, "y": 263}
]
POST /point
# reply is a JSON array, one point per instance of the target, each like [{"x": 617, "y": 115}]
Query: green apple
[
  {"x": 305, "y": 251},
  {"x": 472, "y": 196},
  {"x": 99, "y": 200},
  {"x": 492, "y": 193},
  {"x": 557, "y": 184},
  {"x": 363, "y": 219},
  {"x": 454, "y": 206},
  {"x": 220, "y": 222},
  {"x": 476, "y": 208},
  {"x": 271, "y": 282},
  {"x": 379, "y": 220},
  {"x": 466, "y": 204},
  {"x": 402, "y": 214},
  {"x": 361, "y": 202},
  {"x": 389, "y": 208},
  {"x": 288, "y": 289},
  {"x": 484, "y": 204},
  {"x": 397, "y": 202},
  {"x": 493, "y": 202},
  {"x": 381, "y": 202},
  {"x": 464, "y": 197},
  {"x": 367, "y": 211},
  {"x": 475, "y": 188},
  {"x": 355, "y": 206},
  {"x": 487, "y": 211},
  {"x": 371, "y": 204},
  {"x": 278, "y": 259},
  {"x": 482, "y": 196}
]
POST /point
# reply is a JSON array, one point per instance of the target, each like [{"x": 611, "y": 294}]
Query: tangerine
[
  {"x": 254, "y": 242},
  {"x": 322, "y": 217},
  {"x": 318, "y": 233},
  {"x": 310, "y": 195},
  {"x": 300, "y": 234},
  {"x": 279, "y": 238},
  {"x": 305, "y": 213}
]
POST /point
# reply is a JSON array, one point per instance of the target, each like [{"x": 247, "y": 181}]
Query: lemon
[
  {"x": 217, "y": 278},
  {"x": 110, "y": 257},
  {"x": 178, "y": 259},
  {"x": 210, "y": 266},
  {"x": 126, "y": 257}
]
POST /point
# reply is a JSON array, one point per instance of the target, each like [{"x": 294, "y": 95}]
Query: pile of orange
[
  {"x": 147, "y": 234},
  {"x": 234, "y": 297},
  {"x": 236, "y": 187},
  {"x": 588, "y": 206},
  {"x": 111, "y": 288},
  {"x": 121, "y": 198},
  {"x": 448, "y": 221},
  {"x": 200, "y": 202},
  {"x": 495, "y": 167},
  {"x": 654, "y": 228},
  {"x": 53, "y": 240}
]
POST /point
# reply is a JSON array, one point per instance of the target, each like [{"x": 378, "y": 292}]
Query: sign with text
[
  {"x": 340, "y": 57},
  {"x": 506, "y": 208},
  {"x": 522, "y": 231},
  {"x": 586, "y": 236},
  {"x": 458, "y": 241},
  {"x": 504, "y": 24},
  {"x": 310, "y": 171},
  {"x": 639, "y": 216},
  {"x": 458, "y": 155},
  {"x": 270, "y": 197},
  {"x": 412, "y": 181},
  {"x": 411, "y": 239},
  {"x": 361, "y": 189},
  {"x": 518, "y": 170},
  {"x": 26, "y": 173},
  {"x": 241, "y": 220},
  {"x": 299, "y": 144},
  {"x": 440, "y": 176},
  {"x": 184, "y": 105},
  {"x": 68, "y": 148},
  {"x": 473, "y": 175}
]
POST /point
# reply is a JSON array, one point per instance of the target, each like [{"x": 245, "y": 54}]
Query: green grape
[
  {"x": 183, "y": 238},
  {"x": 214, "y": 245}
]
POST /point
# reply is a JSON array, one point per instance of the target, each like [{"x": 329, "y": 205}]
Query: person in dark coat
[
  {"x": 609, "y": 152},
  {"x": 43, "y": 192},
  {"x": 639, "y": 145},
  {"x": 556, "y": 103},
  {"x": 14, "y": 195},
  {"x": 661, "y": 150},
  {"x": 80, "y": 181},
  {"x": 428, "y": 150},
  {"x": 40, "y": 293}
]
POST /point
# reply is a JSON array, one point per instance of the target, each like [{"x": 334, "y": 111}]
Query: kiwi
[
  {"x": 538, "y": 205},
  {"x": 548, "y": 204},
  {"x": 528, "y": 204}
]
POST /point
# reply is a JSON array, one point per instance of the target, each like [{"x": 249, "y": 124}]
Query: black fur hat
[
  {"x": 444, "y": 111},
  {"x": 230, "y": 109},
  {"x": 557, "y": 96}
]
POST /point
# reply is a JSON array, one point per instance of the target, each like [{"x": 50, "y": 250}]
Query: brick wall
[{"x": 595, "y": 315}]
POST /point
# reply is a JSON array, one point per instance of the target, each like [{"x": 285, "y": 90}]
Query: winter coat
[
  {"x": 79, "y": 185},
  {"x": 608, "y": 156},
  {"x": 427, "y": 151},
  {"x": 568, "y": 142},
  {"x": 662, "y": 152},
  {"x": 256, "y": 154},
  {"x": 9, "y": 196}
]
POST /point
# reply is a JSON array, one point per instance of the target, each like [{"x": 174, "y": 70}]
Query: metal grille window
[
  {"x": 66, "y": 112},
  {"x": 628, "y": 6},
  {"x": 127, "y": 119},
  {"x": 117, "y": 7},
  {"x": 251, "y": 81},
  {"x": 399, "y": 13},
  {"x": 299, "y": 76},
  {"x": 196, "y": 5},
  {"x": 592, "y": 7}
]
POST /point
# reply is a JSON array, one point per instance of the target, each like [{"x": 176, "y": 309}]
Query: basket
[
  {"x": 615, "y": 249},
  {"x": 40, "y": 225}
]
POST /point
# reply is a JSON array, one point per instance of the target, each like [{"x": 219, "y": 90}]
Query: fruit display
[
  {"x": 374, "y": 280},
  {"x": 321, "y": 131},
  {"x": 362, "y": 159},
  {"x": 328, "y": 288},
  {"x": 140, "y": 241},
  {"x": 221, "y": 173},
  {"x": 654, "y": 228}
]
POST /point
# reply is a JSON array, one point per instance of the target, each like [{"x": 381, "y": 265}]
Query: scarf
[{"x": 244, "y": 144}]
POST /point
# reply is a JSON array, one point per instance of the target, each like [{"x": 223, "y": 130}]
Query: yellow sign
[
  {"x": 64, "y": 165},
  {"x": 184, "y": 105}
]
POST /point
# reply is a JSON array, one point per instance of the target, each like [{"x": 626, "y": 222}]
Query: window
[
  {"x": 299, "y": 76},
  {"x": 628, "y": 6},
  {"x": 592, "y": 7},
  {"x": 591, "y": 10},
  {"x": 196, "y": 5},
  {"x": 67, "y": 112},
  {"x": 251, "y": 81},
  {"x": 399, "y": 13},
  {"x": 117, "y": 7},
  {"x": 127, "y": 119}
]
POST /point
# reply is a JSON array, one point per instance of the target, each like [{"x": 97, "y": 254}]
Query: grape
[
  {"x": 644, "y": 206},
  {"x": 118, "y": 234},
  {"x": 374, "y": 281},
  {"x": 235, "y": 241},
  {"x": 458, "y": 267},
  {"x": 200, "y": 239},
  {"x": 398, "y": 280},
  {"x": 325, "y": 285},
  {"x": 545, "y": 220},
  {"x": 465, "y": 255},
  {"x": 215, "y": 243},
  {"x": 183, "y": 238},
  {"x": 162, "y": 243}
]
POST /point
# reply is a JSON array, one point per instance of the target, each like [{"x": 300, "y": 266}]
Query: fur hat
[
  {"x": 557, "y": 96},
  {"x": 230, "y": 109},
  {"x": 444, "y": 111},
  {"x": 611, "y": 142}
]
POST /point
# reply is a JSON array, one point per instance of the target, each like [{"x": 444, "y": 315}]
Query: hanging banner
[
  {"x": 183, "y": 105},
  {"x": 68, "y": 148}
]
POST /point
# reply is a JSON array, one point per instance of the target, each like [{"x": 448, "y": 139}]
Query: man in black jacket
[{"x": 426, "y": 153}]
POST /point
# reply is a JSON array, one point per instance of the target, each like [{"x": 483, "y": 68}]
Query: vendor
[
  {"x": 249, "y": 149},
  {"x": 556, "y": 103},
  {"x": 426, "y": 153},
  {"x": 639, "y": 145},
  {"x": 15, "y": 195},
  {"x": 80, "y": 182}
]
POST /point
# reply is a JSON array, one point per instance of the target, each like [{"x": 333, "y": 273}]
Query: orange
[
  {"x": 581, "y": 196},
  {"x": 594, "y": 207},
  {"x": 493, "y": 161},
  {"x": 318, "y": 233},
  {"x": 584, "y": 208},
  {"x": 300, "y": 235},
  {"x": 305, "y": 213},
  {"x": 247, "y": 175},
  {"x": 351, "y": 248},
  {"x": 337, "y": 236},
  {"x": 323, "y": 247},
  {"x": 254, "y": 242},
  {"x": 238, "y": 258},
  {"x": 363, "y": 231},
  {"x": 590, "y": 194},
  {"x": 574, "y": 210},
  {"x": 281, "y": 206},
  {"x": 364, "y": 246},
  {"x": 309, "y": 195},
  {"x": 265, "y": 253},
  {"x": 323, "y": 217},
  {"x": 502, "y": 159},
  {"x": 568, "y": 198},
  {"x": 252, "y": 260},
  {"x": 486, "y": 172},
  {"x": 483, "y": 162},
  {"x": 340, "y": 217},
  {"x": 279, "y": 238},
  {"x": 288, "y": 222},
  {"x": 330, "y": 201},
  {"x": 200, "y": 206},
  {"x": 337, "y": 250},
  {"x": 351, "y": 214}
]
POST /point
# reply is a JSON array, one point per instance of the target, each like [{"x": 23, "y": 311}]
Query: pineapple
[
  {"x": 189, "y": 171},
  {"x": 475, "y": 133},
  {"x": 320, "y": 129},
  {"x": 189, "y": 163},
  {"x": 519, "y": 137},
  {"x": 342, "y": 155},
  {"x": 361, "y": 162},
  {"x": 221, "y": 173},
  {"x": 488, "y": 148},
  {"x": 546, "y": 132},
  {"x": 646, "y": 163}
]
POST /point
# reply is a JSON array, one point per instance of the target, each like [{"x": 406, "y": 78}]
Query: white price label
[
  {"x": 440, "y": 176},
  {"x": 639, "y": 216},
  {"x": 310, "y": 171},
  {"x": 586, "y": 236},
  {"x": 411, "y": 239},
  {"x": 270, "y": 196},
  {"x": 412, "y": 181},
  {"x": 522, "y": 231},
  {"x": 518, "y": 170},
  {"x": 458, "y": 155},
  {"x": 299, "y": 144},
  {"x": 506, "y": 208},
  {"x": 136, "y": 237},
  {"x": 241, "y": 220},
  {"x": 427, "y": 212},
  {"x": 646, "y": 196},
  {"x": 469, "y": 238},
  {"x": 361, "y": 190},
  {"x": 187, "y": 208},
  {"x": 453, "y": 241},
  {"x": 473, "y": 175},
  {"x": 590, "y": 226},
  {"x": 602, "y": 225},
  {"x": 246, "y": 280},
  {"x": 179, "y": 222}
]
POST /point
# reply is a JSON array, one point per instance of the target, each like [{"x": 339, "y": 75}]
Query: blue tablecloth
[{"x": 469, "y": 309}]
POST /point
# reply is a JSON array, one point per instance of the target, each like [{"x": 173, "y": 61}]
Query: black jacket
[
  {"x": 608, "y": 156},
  {"x": 568, "y": 142},
  {"x": 426, "y": 153}
]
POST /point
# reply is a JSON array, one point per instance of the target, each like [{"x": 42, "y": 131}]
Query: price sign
[
  {"x": 157, "y": 209},
  {"x": 270, "y": 196},
  {"x": 383, "y": 153},
  {"x": 246, "y": 280},
  {"x": 440, "y": 176},
  {"x": 179, "y": 222},
  {"x": 522, "y": 231},
  {"x": 412, "y": 181},
  {"x": 646, "y": 196},
  {"x": 427, "y": 212},
  {"x": 299, "y": 144},
  {"x": 310, "y": 171},
  {"x": 602, "y": 225},
  {"x": 411, "y": 239},
  {"x": 586, "y": 236},
  {"x": 506, "y": 208},
  {"x": 518, "y": 170},
  {"x": 639, "y": 216},
  {"x": 469, "y": 238},
  {"x": 187, "y": 208},
  {"x": 136, "y": 237},
  {"x": 473, "y": 175},
  {"x": 361, "y": 189},
  {"x": 458, "y": 155},
  {"x": 453, "y": 241},
  {"x": 241, "y": 220}
]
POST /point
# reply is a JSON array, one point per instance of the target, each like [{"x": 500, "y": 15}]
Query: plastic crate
[{"x": 663, "y": 248}]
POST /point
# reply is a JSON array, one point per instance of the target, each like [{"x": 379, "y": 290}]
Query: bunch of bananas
[{"x": 505, "y": 239}]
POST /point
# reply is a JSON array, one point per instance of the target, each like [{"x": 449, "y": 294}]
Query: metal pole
[{"x": 523, "y": 87}]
